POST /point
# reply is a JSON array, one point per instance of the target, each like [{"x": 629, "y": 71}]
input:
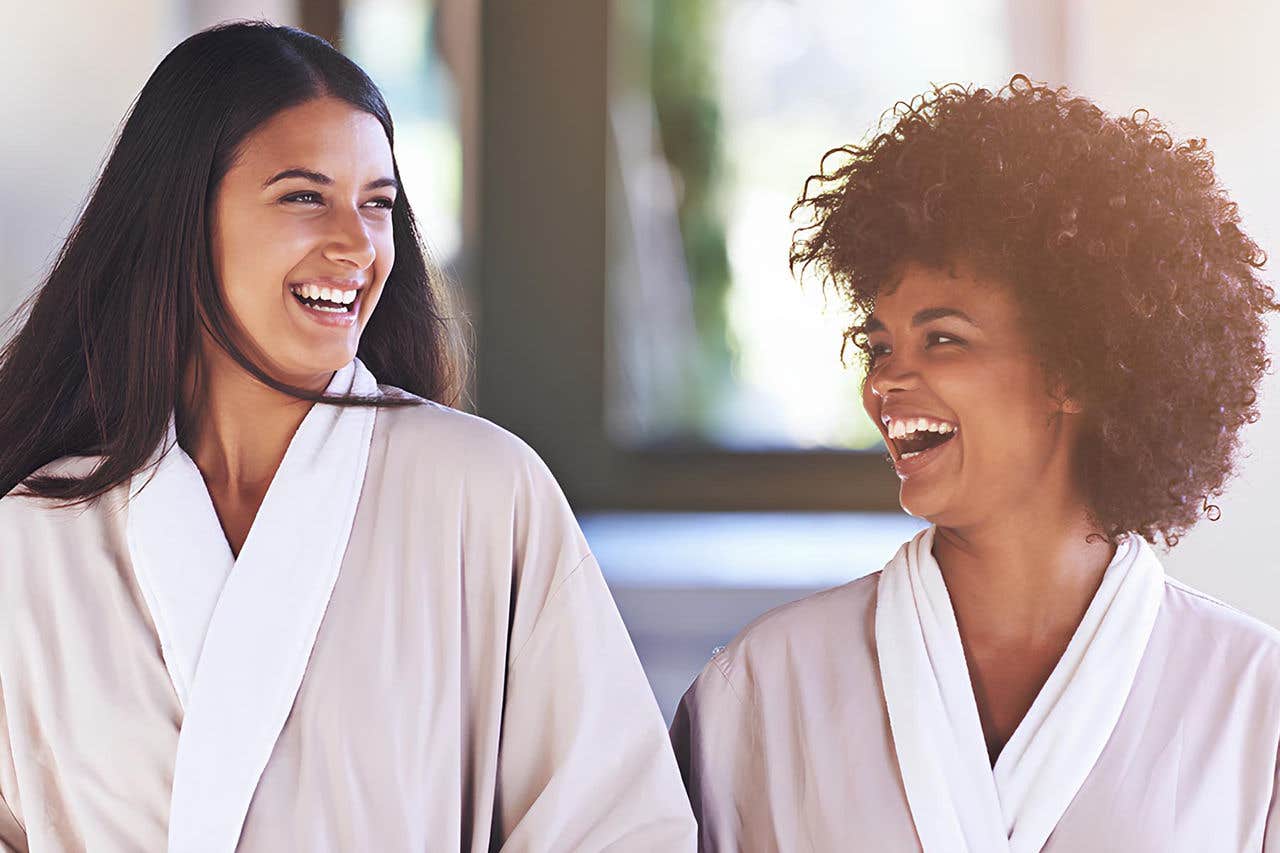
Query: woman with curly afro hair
[{"x": 1063, "y": 327}]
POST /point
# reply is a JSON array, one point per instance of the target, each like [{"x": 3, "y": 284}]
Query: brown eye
[
  {"x": 936, "y": 338},
  {"x": 303, "y": 198}
]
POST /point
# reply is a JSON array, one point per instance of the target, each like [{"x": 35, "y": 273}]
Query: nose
[
  {"x": 893, "y": 373},
  {"x": 350, "y": 243}
]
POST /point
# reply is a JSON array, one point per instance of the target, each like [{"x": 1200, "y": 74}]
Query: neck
[
  {"x": 234, "y": 428},
  {"x": 1026, "y": 578}
]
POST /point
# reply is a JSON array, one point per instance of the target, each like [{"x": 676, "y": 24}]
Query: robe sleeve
[
  {"x": 584, "y": 762},
  {"x": 12, "y": 836},
  {"x": 1271, "y": 834},
  {"x": 711, "y": 734}
]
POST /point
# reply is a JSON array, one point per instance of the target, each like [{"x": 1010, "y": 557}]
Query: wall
[
  {"x": 73, "y": 86},
  {"x": 1209, "y": 72}
]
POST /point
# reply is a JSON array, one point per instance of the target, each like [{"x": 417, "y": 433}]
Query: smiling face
[
  {"x": 962, "y": 400},
  {"x": 301, "y": 235}
]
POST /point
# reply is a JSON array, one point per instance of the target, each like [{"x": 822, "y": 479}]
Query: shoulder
[
  {"x": 21, "y": 508},
  {"x": 832, "y": 628},
  {"x": 1202, "y": 621},
  {"x": 514, "y": 518},
  {"x": 449, "y": 440},
  {"x": 1214, "y": 658},
  {"x": 45, "y": 539},
  {"x": 439, "y": 453}
]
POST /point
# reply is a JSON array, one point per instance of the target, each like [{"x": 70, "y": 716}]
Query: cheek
[
  {"x": 384, "y": 260},
  {"x": 1012, "y": 425},
  {"x": 870, "y": 403},
  {"x": 990, "y": 398},
  {"x": 254, "y": 254},
  {"x": 385, "y": 247}
]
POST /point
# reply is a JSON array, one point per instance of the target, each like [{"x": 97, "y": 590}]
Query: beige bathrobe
[
  {"x": 414, "y": 650},
  {"x": 837, "y": 724}
]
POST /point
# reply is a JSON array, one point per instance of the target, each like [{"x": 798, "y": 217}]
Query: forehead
[
  {"x": 918, "y": 287},
  {"x": 324, "y": 134}
]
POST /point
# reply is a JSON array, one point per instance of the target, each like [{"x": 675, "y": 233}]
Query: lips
[
  {"x": 328, "y": 302},
  {"x": 915, "y": 440},
  {"x": 911, "y": 463}
]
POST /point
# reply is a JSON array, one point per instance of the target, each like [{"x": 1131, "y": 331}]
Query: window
[
  {"x": 652, "y": 363},
  {"x": 398, "y": 42},
  {"x": 718, "y": 111}
]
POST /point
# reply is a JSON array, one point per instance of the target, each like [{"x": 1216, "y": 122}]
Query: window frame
[{"x": 540, "y": 273}]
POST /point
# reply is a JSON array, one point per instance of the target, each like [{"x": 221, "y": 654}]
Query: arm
[
  {"x": 707, "y": 734},
  {"x": 13, "y": 838},
  {"x": 584, "y": 763},
  {"x": 1271, "y": 833}
]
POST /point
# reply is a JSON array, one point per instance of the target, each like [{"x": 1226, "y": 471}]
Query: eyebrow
[
  {"x": 921, "y": 317},
  {"x": 320, "y": 178}
]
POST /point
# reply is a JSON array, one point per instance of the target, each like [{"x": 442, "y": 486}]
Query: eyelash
[
  {"x": 875, "y": 352},
  {"x": 386, "y": 203}
]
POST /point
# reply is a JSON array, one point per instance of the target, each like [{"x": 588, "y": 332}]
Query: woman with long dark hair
[
  {"x": 1064, "y": 329},
  {"x": 250, "y": 595}
]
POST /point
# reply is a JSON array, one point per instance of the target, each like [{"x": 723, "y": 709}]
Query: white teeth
[
  {"x": 902, "y": 427},
  {"x": 328, "y": 294},
  {"x": 341, "y": 298}
]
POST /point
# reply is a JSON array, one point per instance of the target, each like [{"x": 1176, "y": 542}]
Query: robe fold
[
  {"x": 414, "y": 650},
  {"x": 1157, "y": 732}
]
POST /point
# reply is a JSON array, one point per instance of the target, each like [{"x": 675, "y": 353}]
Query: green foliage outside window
[{"x": 686, "y": 96}]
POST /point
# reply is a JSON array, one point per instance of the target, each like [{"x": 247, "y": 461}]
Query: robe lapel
[
  {"x": 936, "y": 731},
  {"x": 263, "y": 621},
  {"x": 180, "y": 557},
  {"x": 1055, "y": 747},
  {"x": 957, "y": 801}
]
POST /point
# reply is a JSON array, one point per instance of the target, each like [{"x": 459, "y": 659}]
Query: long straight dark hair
[{"x": 97, "y": 367}]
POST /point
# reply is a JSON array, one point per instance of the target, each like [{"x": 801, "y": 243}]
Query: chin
[
  {"x": 311, "y": 361},
  {"x": 329, "y": 355},
  {"x": 924, "y": 503}
]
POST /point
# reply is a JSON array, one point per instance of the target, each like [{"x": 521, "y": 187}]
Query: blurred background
[{"x": 608, "y": 182}]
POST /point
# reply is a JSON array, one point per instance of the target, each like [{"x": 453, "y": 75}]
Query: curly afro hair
[{"x": 1141, "y": 291}]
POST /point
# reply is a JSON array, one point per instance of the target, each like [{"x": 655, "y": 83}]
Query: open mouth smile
[
  {"x": 916, "y": 441},
  {"x": 330, "y": 305}
]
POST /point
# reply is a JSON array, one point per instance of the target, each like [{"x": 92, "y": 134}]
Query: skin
[
  {"x": 262, "y": 239},
  {"x": 1013, "y": 539}
]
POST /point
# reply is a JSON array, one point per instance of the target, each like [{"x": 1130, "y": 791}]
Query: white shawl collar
[
  {"x": 236, "y": 633},
  {"x": 958, "y": 801}
]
